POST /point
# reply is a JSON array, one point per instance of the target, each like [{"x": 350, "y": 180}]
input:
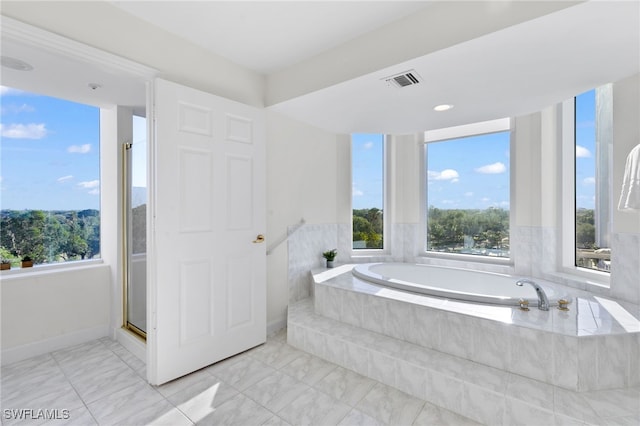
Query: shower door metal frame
[{"x": 127, "y": 235}]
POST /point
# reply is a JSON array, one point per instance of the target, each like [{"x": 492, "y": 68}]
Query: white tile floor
[{"x": 100, "y": 382}]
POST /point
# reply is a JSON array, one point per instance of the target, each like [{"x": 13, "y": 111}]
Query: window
[
  {"x": 367, "y": 194},
  {"x": 138, "y": 200},
  {"x": 50, "y": 179},
  {"x": 592, "y": 122},
  {"x": 467, "y": 181}
]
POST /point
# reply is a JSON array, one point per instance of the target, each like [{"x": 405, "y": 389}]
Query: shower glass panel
[{"x": 136, "y": 289}]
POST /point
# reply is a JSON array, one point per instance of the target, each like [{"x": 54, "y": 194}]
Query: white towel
[{"x": 630, "y": 196}]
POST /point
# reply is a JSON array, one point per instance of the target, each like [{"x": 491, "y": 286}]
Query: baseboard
[
  {"x": 132, "y": 343},
  {"x": 276, "y": 325},
  {"x": 29, "y": 350}
]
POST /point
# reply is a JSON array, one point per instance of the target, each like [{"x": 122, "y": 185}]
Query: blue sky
[
  {"x": 469, "y": 173},
  {"x": 585, "y": 150},
  {"x": 50, "y": 154},
  {"x": 366, "y": 174}
]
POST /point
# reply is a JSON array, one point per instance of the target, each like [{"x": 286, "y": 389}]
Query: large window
[
  {"x": 593, "y": 136},
  {"x": 468, "y": 192},
  {"x": 367, "y": 156},
  {"x": 50, "y": 159}
]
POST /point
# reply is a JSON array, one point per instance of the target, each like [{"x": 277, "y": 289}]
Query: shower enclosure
[{"x": 135, "y": 226}]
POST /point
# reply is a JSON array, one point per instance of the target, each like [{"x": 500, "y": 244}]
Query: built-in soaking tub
[
  {"x": 453, "y": 283},
  {"x": 592, "y": 345}
]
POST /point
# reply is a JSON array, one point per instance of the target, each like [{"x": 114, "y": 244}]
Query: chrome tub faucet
[{"x": 543, "y": 301}]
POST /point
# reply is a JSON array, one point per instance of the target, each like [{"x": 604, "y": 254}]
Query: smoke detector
[
  {"x": 404, "y": 79},
  {"x": 15, "y": 64}
]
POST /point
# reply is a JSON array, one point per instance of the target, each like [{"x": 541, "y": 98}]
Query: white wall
[
  {"x": 45, "y": 311},
  {"x": 626, "y": 225},
  {"x": 626, "y": 135},
  {"x": 302, "y": 178}
]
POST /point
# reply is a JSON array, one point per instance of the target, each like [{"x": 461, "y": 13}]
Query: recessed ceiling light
[
  {"x": 443, "y": 107},
  {"x": 15, "y": 64},
  {"x": 94, "y": 86}
]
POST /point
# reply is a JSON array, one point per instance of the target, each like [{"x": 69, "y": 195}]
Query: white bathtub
[{"x": 453, "y": 283}]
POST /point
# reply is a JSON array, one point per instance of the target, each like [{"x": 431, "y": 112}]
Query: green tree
[
  {"x": 50, "y": 236},
  {"x": 585, "y": 228},
  {"x": 368, "y": 226},
  {"x": 449, "y": 229}
]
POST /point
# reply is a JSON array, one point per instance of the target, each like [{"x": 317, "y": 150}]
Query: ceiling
[
  {"x": 67, "y": 77},
  {"x": 267, "y": 36},
  {"x": 516, "y": 70}
]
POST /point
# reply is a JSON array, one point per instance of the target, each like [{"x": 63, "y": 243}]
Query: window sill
[
  {"x": 468, "y": 258},
  {"x": 479, "y": 263},
  {"x": 50, "y": 268},
  {"x": 593, "y": 281}
]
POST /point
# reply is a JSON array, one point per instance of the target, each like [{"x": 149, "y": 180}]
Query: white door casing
[{"x": 207, "y": 268}]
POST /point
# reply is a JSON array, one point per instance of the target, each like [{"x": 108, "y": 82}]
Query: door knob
[{"x": 259, "y": 239}]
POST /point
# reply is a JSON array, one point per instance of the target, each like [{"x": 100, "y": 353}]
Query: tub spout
[{"x": 543, "y": 301}]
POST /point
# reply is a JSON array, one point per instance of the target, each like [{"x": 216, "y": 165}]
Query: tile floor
[{"x": 100, "y": 382}]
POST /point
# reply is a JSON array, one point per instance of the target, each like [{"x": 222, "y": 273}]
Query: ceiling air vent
[{"x": 407, "y": 78}]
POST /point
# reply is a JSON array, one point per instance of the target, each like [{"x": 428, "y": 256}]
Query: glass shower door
[{"x": 136, "y": 276}]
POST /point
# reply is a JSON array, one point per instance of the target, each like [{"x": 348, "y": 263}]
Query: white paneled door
[{"x": 207, "y": 286}]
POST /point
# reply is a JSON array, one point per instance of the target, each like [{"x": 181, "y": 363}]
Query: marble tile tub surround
[
  {"x": 595, "y": 345},
  {"x": 306, "y": 244},
  {"x": 305, "y": 248},
  {"x": 625, "y": 267},
  {"x": 534, "y": 253},
  {"x": 485, "y": 394}
]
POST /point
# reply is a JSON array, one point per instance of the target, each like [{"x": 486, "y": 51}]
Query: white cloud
[
  {"x": 492, "y": 169},
  {"x": 589, "y": 180},
  {"x": 587, "y": 124},
  {"x": 582, "y": 152},
  {"x": 485, "y": 199},
  {"x": 446, "y": 174},
  {"x": 79, "y": 149},
  {"x": 64, "y": 178},
  {"x": 17, "y": 109},
  {"x": 468, "y": 194},
  {"x": 368, "y": 145},
  {"x": 89, "y": 184},
  {"x": 356, "y": 192},
  {"x": 4, "y": 91},
  {"x": 23, "y": 131},
  {"x": 94, "y": 191}
]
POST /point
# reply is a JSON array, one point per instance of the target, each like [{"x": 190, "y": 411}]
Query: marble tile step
[{"x": 485, "y": 394}]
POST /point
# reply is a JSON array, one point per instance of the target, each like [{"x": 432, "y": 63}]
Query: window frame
[
  {"x": 568, "y": 202},
  {"x": 76, "y": 263},
  {"x": 386, "y": 204},
  {"x": 458, "y": 132}
]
